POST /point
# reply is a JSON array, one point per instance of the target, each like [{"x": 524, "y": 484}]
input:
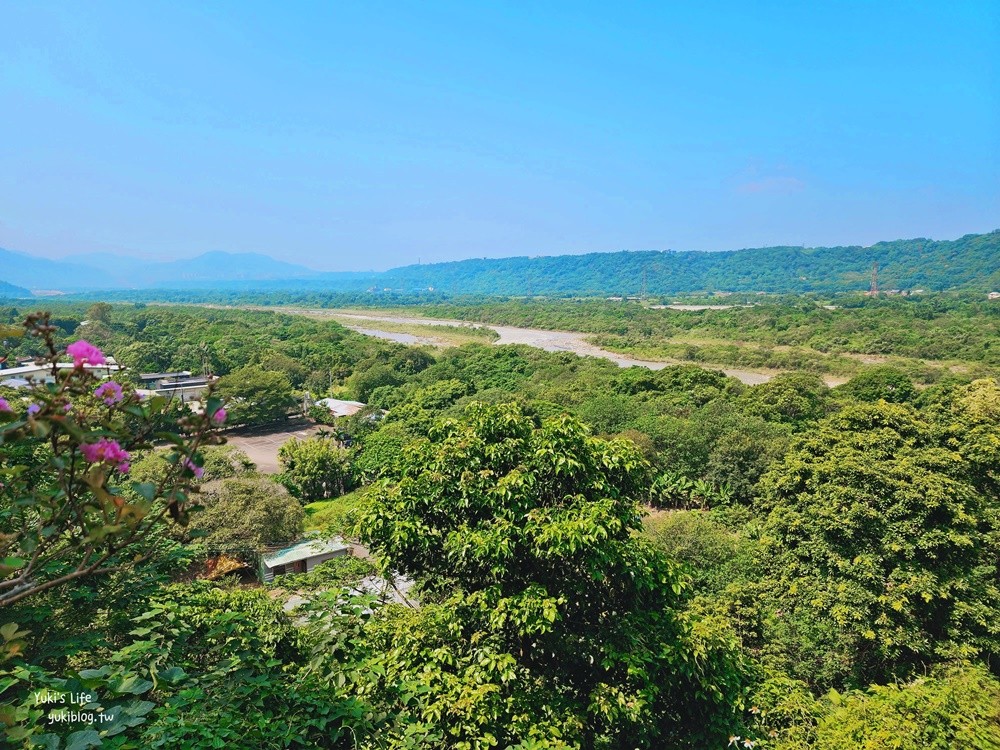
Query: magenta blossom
[
  {"x": 83, "y": 352},
  {"x": 4, "y": 406},
  {"x": 220, "y": 416},
  {"x": 111, "y": 392},
  {"x": 195, "y": 469},
  {"x": 108, "y": 452},
  {"x": 67, "y": 407},
  {"x": 33, "y": 409}
]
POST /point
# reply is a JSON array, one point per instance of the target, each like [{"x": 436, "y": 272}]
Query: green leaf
[
  {"x": 83, "y": 739},
  {"x": 134, "y": 685},
  {"x": 94, "y": 674},
  {"x": 145, "y": 489},
  {"x": 172, "y": 675}
]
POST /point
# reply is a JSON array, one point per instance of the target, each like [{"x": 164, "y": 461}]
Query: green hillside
[{"x": 972, "y": 262}]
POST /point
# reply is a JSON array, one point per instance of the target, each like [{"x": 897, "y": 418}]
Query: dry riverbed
[
  {"x": 551, "y": 341},
  {"x": 440, "y": 332}
]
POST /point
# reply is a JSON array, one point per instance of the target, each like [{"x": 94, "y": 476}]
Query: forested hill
[{"x": 971, "y": 262}]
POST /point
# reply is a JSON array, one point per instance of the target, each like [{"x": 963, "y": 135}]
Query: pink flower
[
  {"x": 67, "y": 407},
  {"x": 195, "y": 469},
  {"x": 108, "y": 452},
  {"x": 33, "y": 409},
  {"x": 4, "y": 406},
  {"x": 110, "y": 391},
  {"x": 84, "y": 352},
  {"x": 220, "y": 416}
]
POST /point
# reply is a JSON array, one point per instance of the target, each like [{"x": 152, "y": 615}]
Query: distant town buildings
[
  {"x": 181, "y": 384},
  {"x": 26, "y": 375}
]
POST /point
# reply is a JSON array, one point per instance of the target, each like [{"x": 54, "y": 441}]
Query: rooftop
[
  {"x": 304, "y": 550},
  {"x": 341, "y": 408},
  {"x": 161, "y": 375}
]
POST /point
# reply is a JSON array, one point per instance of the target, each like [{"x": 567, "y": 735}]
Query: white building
[
  {"x": 301, "y": 557},
  {"x": 339, "y": 408}
]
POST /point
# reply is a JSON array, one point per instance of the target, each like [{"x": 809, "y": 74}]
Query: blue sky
[{"x": 352, "y": 136}]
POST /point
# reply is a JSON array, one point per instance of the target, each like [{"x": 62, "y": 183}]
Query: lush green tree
[
  {"x": 224, "y": 462},
  {"x": 340, "y": 516},
  {"x": 742, "y": 447},
  {"x": 245, "y": 514},
  {"x": 794, "y": 398},
  {"x": 953, "y": 707},
  {"x": 972, "y": 427},
  {"x": 275, "y": 361},
  {"x": 440, "y": 394},
  {"x": 880, "y": 553},
  {"x": 715, "y": 555},
  {"x": 203, "y": 667},
  {"x": 380, "y": 452},
  {"x": 880, "y": 383},
  {"x": 607, "y": 412},
  {"x": 367, "y": 379},
  {"x": 99, "y": 312},
  {"x": 556, "y": 627},
  {"x": 256, "y": 396},
  {"x": 315, "y": 469}
]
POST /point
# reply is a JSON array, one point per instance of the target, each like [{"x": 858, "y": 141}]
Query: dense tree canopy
[
  {"x": 882, "y": 552},
  {"x": 316, "y": 468},
  {"x": 819, "y": 569},
  {"x": 245, "y": 514},
  {"x": 524, "y": 532},
  {"x": 256, "y": 396}
]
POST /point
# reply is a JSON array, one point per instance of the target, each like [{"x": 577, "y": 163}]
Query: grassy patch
[{"x": 338, "y": 516}]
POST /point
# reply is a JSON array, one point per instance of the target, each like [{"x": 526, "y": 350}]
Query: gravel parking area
[{"x": 262, "y": 444}]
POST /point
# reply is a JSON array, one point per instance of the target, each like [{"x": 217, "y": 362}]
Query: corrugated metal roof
[
  {"x": 340, "y": 407},
  {"x": 304, "y": 550}
]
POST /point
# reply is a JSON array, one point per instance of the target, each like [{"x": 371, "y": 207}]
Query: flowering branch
[{"x": 69, "y": 512}]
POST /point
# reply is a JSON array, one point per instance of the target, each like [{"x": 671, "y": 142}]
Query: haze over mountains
[{"x": 970, "y": 262}]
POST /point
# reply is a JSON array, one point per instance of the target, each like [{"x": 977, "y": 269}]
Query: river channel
[{"x": 550, "y": 341}]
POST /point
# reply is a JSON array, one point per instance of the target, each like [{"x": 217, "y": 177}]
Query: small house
[{"x": 301, "y": 557}]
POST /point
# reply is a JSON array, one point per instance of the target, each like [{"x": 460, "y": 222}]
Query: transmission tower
[{"x": 873, "y": 292}]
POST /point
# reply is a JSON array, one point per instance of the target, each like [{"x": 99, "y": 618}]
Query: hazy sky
[{"x": 351, "y": 136}]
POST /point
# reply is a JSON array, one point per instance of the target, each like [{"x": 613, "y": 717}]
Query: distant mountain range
[
  {"x": 9, "y": 290},
  {"x": 971, "y": 262},
  {"x": 108, "y": 271}
]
